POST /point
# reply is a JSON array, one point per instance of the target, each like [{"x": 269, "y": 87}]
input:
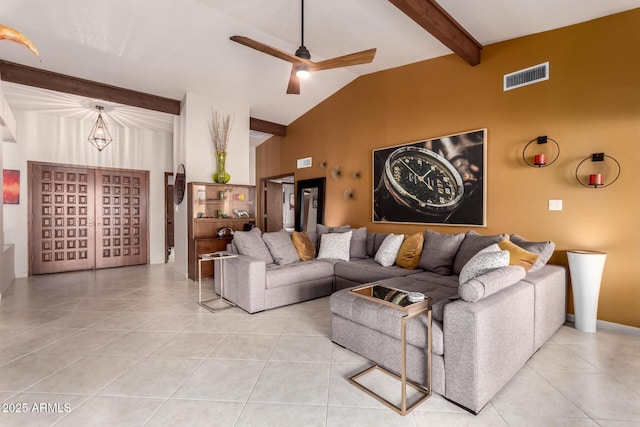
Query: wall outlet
[{"x": 555, "y": 205}]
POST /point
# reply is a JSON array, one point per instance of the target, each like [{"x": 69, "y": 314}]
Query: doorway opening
[
  {"x": 169, "y": 209},
  {"x": 278, "y": 203}
]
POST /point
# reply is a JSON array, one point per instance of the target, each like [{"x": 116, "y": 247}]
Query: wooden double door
[{"x": 85, "y": 218}]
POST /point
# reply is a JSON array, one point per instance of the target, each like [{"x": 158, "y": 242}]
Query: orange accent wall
[{"x": 591, "y": 103}]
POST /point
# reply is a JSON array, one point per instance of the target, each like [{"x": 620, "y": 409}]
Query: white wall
[
  {"x": 53, "y": 139},
  {"x": 195, "y": 149},
  {"x": 7, "y": 251}
]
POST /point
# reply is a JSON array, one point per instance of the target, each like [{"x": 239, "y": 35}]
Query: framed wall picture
[
  {"x": 435, "y": 181},
  {"x": 10, "y": 187}
]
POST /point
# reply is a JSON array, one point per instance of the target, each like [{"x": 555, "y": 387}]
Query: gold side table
[
  {"x": 399, "y": 300},
  {"x": 215, "y": 256}
]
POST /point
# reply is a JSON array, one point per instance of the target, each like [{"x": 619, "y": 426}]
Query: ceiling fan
[{"x": 301, "y": 64}]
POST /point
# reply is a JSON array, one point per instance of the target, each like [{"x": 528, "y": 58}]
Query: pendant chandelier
[{"x": 99, "y": 135}]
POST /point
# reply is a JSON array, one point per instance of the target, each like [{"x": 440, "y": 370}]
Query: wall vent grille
[
  {"x": 304, "y": 163},
  {"x": 531, "y": 75}
]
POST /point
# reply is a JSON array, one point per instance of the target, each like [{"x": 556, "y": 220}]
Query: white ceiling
[{"x": 170, "y": 47}]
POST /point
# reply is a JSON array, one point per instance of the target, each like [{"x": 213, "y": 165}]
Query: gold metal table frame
[
  {"x": 412, "y": 310},
  {"x": 215, "y": 256}
]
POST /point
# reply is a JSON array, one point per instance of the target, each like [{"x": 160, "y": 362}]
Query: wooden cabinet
[{"x": 213, "y": 207}]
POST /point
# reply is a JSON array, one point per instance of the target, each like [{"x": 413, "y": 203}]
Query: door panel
[
  {"x": 84, "y": 218},
  {"x": 62, "y": 226},
  {"x": 273, "y": 208},
  {"x": 121, "y": 213}
]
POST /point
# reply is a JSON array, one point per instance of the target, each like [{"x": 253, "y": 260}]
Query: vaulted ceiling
[{"x": 170, "y": 47}]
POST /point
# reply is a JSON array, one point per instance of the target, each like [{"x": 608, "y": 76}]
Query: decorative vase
[{"x": 221, "y": 176}]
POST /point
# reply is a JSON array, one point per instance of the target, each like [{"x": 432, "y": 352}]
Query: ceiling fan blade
[
  {"x": 364, "y": 57},
  {"x": 261, "y": 47},
  {"x": 294, "y": 82}
]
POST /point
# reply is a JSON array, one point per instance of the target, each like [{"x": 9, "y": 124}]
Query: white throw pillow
[
  {"x": 388, "y": 251},
  {"x": 484, "y": 261},
  {"x": 335, "y": 246}
]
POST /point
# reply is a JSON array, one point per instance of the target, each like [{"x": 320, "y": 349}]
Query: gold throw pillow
[
  {"x": 304, "y": 245},
  {"x": 409, "y": 254},
  {"x": 517, "y": 255}
]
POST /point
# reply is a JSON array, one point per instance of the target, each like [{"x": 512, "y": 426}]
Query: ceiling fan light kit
[
  {"x": 301, "y": 64},
  {"x": 302, "y": 71}
]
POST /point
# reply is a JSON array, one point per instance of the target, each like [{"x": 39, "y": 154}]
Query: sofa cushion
[
  {"x": 335, "y": 246},
  {"x": 517, "y": 255},
  {"x": 323, "y": 229},
  {"x": 281, "y": 247},
  {"x": 250, "y": 243},
  {"x": 471, "y": 245},
  {"x": 543, "y": 249},
  {"x": 304, "y": 246},
  {"x": 435, "y": 278},
  {"x": 367, "y": 270},
  {"x": 374, "y": 240},
  {"x": 410, "y": 250},
  {"x": 439, "y": 251},
  {"x": 386, "y": 319},
  {"x": 484, "y": 261},
  {"x": 358, "y": 247},
  {"x": 296, "y": 273},
  {"x": 440, "y": 295},
  {"x": 491, "y": 282},
  {"x": 388, "y": 251}
]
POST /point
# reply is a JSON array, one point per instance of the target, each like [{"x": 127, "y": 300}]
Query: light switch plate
[{"x": 555, "y": 205}]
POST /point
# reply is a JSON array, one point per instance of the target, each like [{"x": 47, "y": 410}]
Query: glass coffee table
[{"x": 412, "y": 304}]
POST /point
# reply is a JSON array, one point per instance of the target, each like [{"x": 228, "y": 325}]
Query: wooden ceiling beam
[
  {"x": 433, "y": 18},
  {"x": 16, "y": 73},
  {"x": 29, "y": 76},
  {"x": 267, "y": 127}
]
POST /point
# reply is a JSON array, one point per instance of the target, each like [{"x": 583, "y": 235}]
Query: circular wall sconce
[
  {"x": 594, "y": 176},
  {"x": 539, "y": 159}
]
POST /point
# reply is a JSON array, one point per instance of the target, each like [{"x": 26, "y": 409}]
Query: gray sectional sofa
[{"x": 484, "y": 330}]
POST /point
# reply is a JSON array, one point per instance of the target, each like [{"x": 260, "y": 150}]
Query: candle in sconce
[
  {"x": 595, "y": 179},
  {"x": 539, "y": 160}
]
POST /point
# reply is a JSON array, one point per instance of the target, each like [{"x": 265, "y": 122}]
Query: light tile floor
[{"x": 131, "y": 346}]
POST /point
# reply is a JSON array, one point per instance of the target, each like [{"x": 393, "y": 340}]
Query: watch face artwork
[
  {"x": 434, "y": 181},
  {"x": 423, "y": 180}
]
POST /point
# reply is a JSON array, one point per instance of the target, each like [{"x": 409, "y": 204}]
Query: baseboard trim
[{"x": 610, "y": 326}]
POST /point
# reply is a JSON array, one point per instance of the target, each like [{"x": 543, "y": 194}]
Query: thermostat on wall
[{"x": 304, "y": 163}]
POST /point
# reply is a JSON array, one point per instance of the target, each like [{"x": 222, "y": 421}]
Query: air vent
[
  {"x": 528, "y": 76},
  {"x": 304, "y": 163}
]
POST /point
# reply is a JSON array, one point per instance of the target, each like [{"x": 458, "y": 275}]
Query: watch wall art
[{"x": 436, "y": 181}]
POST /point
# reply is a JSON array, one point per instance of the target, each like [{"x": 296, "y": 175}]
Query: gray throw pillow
[
  {"x": 323, "y": 229},
  {"x": 374, "y": 240},
  {"x": 281, "y": 247},
  {"x": 358, "y": 243},
  {"x": 471, "y": 245},
  {"x": 335, "y": 246},
  {"x": 250, "y": 243},
  {"x": 489, "y": 258},
  {"x": 543, "y": 249},
  {"x": 438, "y": 251},
  {"x": 388, "y": 251}
]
